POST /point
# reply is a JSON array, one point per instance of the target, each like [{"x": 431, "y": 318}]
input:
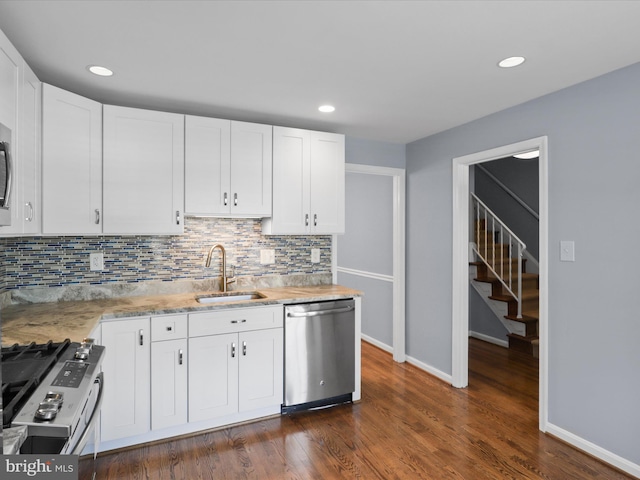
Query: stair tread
[
  {"x": 525, "y": 318},
  {"x": 530, "y": 338}
]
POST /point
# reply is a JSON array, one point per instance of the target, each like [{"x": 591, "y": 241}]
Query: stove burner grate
[{"x": 23, "y": 368}]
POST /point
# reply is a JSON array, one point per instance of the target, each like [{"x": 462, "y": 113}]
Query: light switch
[
  {"x": 567, "y": 251},
  {"x": 315, "y": 255}
]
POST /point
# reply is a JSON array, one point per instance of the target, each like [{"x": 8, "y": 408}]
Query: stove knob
[
  {"x": 47, "y": 411},
  {"x": 54, "y": 397},
  {"x": 81, "y": 354}
]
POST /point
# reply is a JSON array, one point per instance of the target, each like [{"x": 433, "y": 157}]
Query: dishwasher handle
[{"x": 317, "y": 313}]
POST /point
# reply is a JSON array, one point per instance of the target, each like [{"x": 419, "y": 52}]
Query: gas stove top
[
  {"x": 23, "y": 369},
  {"x": 53, "y": 389}
]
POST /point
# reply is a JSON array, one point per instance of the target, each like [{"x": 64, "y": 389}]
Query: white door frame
[
  {"x": 460, "y": 307},
  {"x": 399, "y": 208}
]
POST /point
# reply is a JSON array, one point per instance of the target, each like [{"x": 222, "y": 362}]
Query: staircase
[{"x": 523, "y": 329}]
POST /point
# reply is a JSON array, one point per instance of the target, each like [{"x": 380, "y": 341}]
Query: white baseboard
[
  {"x": 429, "y": 369},
  {"x": 377, "y": 343},
  {"x": 595, "y": 450},
  {"x": 487, "y": 338}
]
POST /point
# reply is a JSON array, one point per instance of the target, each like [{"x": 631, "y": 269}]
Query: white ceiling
[{"x": 395, "y": 70}]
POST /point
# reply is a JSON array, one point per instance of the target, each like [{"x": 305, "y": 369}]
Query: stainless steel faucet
[{"x": 225, "y": 281}]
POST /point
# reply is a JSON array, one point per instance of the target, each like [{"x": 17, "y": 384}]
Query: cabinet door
[
  {"x": 125, "y": 409},
  {"x": 30, "y": 137},
  {"x": 327, "y": 183},
  {"x": 261, "y": 369},
  {"x": 168, "y": 383},
  {"x": 291, "y": 157},
  {"x": 213, "y": 376},
  {"x": 207, "y": 166},
  {"x": 143, "y": 171},
  {"x": 10, "y": 61},
  {"x": 71, "y": 163},
  {"x": 251, "y": 168}
]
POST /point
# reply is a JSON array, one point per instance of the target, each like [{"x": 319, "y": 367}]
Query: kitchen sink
[{"x": 228, "y": 297}]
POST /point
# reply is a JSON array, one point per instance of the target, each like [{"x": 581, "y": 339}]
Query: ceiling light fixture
[
  {"x": 327, "y": 108},
  {"x": 511, "y": 62},
  {"x": 101, "y": 71},
  {"x": 528, "y": 155}
]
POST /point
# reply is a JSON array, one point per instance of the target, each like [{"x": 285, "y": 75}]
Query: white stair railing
[{"x": 489, "y": 244}]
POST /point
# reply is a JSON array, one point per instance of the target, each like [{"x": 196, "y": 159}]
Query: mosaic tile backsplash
[{"x": 64, "y": 261}]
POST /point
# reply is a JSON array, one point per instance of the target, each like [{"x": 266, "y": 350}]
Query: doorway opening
[
  {"x": 376, "y": 229},
  {"x": 460, "y": 297}
]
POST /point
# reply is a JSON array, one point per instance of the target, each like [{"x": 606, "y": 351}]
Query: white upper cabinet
[
  {"x": 20, "y": 107},
  {"x": 71, "y": 163},
  {"x": 308, "y": 183},
  {"x": 327, "y": 195},
  {"x": 227, "y": 168},
  {"x": 30, "y": 137},
  {"x": 10, "y": 61},
  {"x": 143, "y": 171}
]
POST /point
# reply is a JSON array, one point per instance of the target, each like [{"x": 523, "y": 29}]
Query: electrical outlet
[
  {"x": 315, "y": 255},
  {"x": 96, "y": 261},
  {"x": 267, "y": 257}
]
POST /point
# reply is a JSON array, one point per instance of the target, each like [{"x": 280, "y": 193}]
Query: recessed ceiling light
[
  {"x": 511, "y": 62},
  {"x": 98, "y": 70},
  {"x": 327, "y": 108},
  {"x": 528, "y": 155}
]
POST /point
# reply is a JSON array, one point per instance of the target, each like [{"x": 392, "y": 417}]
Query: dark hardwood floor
[{"x": 409, "y": 425}]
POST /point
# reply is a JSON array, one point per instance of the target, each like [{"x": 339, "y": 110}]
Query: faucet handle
[{"x": 232, "y": 277}]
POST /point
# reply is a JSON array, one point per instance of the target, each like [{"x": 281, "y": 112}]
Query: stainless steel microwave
[{"x": 6, "y": 171}]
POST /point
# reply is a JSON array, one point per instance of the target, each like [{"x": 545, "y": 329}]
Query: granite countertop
[{"x": 41, "y": 322}]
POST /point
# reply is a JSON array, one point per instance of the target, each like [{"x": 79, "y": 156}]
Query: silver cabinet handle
[
  {"x": 141, "y": 335},
  {"x": 29, "y": 218},
  {"x": 177, "y": 217},
  {"x": 226, "y": 199},
  {"x": 306, "y": 220},
  {"x": 315, "y": 219},
  {"x": 97, "y": 216},
  {"x": 180, "y": 357},
  {"x": 244, "y": 348},
  {"x": 239, "y": 321},
  {"x": 233, "y": 350},
  {"x": 317, "y": 313},
  {"x": 235, "y": 199}
]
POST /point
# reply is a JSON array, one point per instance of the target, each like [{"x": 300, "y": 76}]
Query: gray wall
[
  {"x": 367, "y": 245},
  {"x": 593, "y": 130},
  {"x": 372, "y": 152}
]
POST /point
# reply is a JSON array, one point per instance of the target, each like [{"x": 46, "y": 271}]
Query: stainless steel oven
[
  {"x": 55, "y": 390},
  {"x": 6, "y": 175}
]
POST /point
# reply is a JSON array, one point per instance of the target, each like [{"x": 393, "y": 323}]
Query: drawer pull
[
  {"x": 239, "y": 321},
  {"x": 169, "y": 329}
]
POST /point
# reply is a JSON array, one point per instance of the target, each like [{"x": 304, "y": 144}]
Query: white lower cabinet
[
  {"x": 239, "y": 371},
  {"x": 127, "y": 377},
  {"x": 168, "y": 383},
  {"x": 163, "y": 374}
]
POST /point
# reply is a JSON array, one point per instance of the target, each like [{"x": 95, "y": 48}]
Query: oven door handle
[{"x": 82, "y": 441}]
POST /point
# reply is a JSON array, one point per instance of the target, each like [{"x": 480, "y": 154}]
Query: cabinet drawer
[
  {"x": 168, "y": 327},
  {"x": 235, "y": 320}
]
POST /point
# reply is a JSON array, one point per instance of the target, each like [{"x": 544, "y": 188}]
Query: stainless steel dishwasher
[{"x": 319, "y": 354}]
